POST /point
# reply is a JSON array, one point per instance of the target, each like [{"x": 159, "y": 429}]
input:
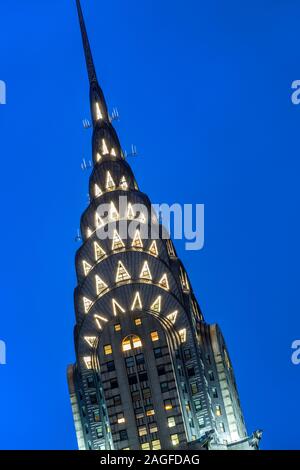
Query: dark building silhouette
[{"x": 150, "y": 373}]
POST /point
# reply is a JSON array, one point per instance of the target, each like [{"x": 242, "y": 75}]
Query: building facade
[{"x": 150, "y": 373}]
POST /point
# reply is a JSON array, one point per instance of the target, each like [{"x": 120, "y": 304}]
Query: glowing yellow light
[
  {"x": 126, "y": 345},
  {"x": 98, "y": 191},
  {"x": 122, "y": 273},
  {"x": 104, "y": 148},
  {"x": 110, "y": 184},
  {"x": 150, "y": 413},
  {"x": 182, "y": 334},
  {"x": 138, "y": 321},
  {"x": 99, "y": 252},
  {"x": 88, "y": 362},
  {"x": 121, "y": 420},
  {"x": 117, "y": 307},
  {"x": 153, "y": 249},
  {"x": 156, "y": 306},
  {"x": 107, "y": 349},
  {"x": 137, "y": 343},
  {"x": 118, "y": 327},
  {"x": 86, "y": 267},
  {"x": 117, "y": 241},
  {"x": 130, "y": 213},
  {"x": 164, "y": 282},
  {"x": 137, "y": 241},
  {"x": 113, "y": 213},
  {"x": 86, "y": 303},
  {"x": 145, "y": 272},
  {"x": 137, "y": 303},
  {"x": 98, "y": 221},
  {"x": 175, "y": 439},
  {"x": 98, "y": 157},
  {"x": 100, "y": 284},
  {"x": 123, "y": 183},
  {"x": 113, "y": 152},
  {"x": 154, "y": 336},
  {"x": 99, "y": 319},
  {"x": 172, "y": 316},
  {"x": 170, "y": 248},
  {"x": 90, "y": 340},
  {"x": 98, "y": 112},
  {"x": 168, "y": 407},
  {"x": 88, "y": 232}
]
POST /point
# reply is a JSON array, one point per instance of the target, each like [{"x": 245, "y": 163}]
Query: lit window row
[
  {"x": 110, "y": 185},
  {"x": 103, "y": 150},
  {"x": 113, "y": 215}
]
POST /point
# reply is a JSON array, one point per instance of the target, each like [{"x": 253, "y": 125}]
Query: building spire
[{"x": 86, "y": 46}]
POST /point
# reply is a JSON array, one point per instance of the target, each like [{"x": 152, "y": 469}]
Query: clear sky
[{"x": 203, "y": 90}]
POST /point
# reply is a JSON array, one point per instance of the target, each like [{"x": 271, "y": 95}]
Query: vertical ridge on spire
[{"x": 86, "y": 46}]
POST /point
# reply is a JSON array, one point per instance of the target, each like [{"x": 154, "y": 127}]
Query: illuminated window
[
  {"x": 145, "y": 446},
  {"x": 130, "y": 212},
  {"x": 99, "y": 252},
  {"x": 194, "y": 388},
  {"x": 137, "y": 241},
  {"x": 86, "y": 267},
  {"x": 117, "y": 243},
  {"x": 98, "y": 112},
  {"x": 183, "y": 280},
  {"x": 117, "y": 307},
  {"x": 107, "y": 349},
  {"x": 123, "y": 183},
  {"x": 218, "y": 410},
  {"x": 170, "y": 248},
  {"x": 222, "y": 427},
  {"x": 100, "y": 285},
  {"x": 182, "y": 334},
  {"x": 198, "y": 404},
  {"x": 131, "y": 342},
  {"x": 122, "y": 273},
  {"x": 137, "y": 303},
  {"x": 113, "y": 152},
  {"x": 99, "y": 319},
  {"x": 88, "y": 232},
  {"x": 97, "y": 190},
  {"x": 88, "y": 362},
  {"x": 156, "y": 444},
  {"x": 168, "y": 405},
  {"x": 118, "y": 327},
  {"x": 153, "y": 249},
  {"x": 138, "y": 321},
  {"x": 227, "y": 360},
  {"x": 171, "y": 422},
  {"x": 164, "y": 282},
  {"x": 142, "y": 430},
  {"x": 104, "y": 148},
  {"x": 110, "y": 184},
  {"x": 98, "y": 221},
  {"x": 90, "y": 340},
  {"x": 150, "y": 413},
  {"x": 120, "y": 418},
  {"x": 98, "y": 157},
  {"x": 156, "y": 306},
  {"x": 175, "y": 439},
  {"x": 113, "y": 213},
  {"x": 172, "y": 316},
  {"x": 145, "y": 272},
  {"x": 142, "y": 218},
  {"x": 154, "y": 336},
  {"x": 153, "y": 428},
  {"x": 86, "y": 304}
]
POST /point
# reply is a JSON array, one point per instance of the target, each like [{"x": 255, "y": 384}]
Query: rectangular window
[
  {"x": 194, "y": 388},
  {"x": 139, "y": 413},
  {"x": 175, "y": 439},
  {"x": 168, "y": 405},
  {"x": 211, "y": 375},
  {"x": 164, "y": 386},
  {"x": 161, "y": 370},
  {"x": 132, "y": 379},
  {"x": 96, "y": 416},
  {"x": 222, "y": 427},
  {"x": 129, "y": 361},
  {"x": 156, "y": 444},
  {"x": 191, "y": 371},
  {"x": 198, "y": 405},
  {"x": 171, "y": 422},
  {"x": 154, "y": 336},
  {"x": 201, "y": 422},
  {"x": 145, "y": 446},
  {"x": 143, "y": 376},
  {"x": 153, "y": 428},
  {"x": 150, "y": 412},
  {"x": 117, "y": 400},
  {"x": 118, "y": 327},
  {"x": 157, "y": 352},
  {"x": 90, "y": 382},
  {"x": 120, "y": 418},
  {"x": 140, "y": 359},
  {"x": 214, "y": 392},
  {"x": 107, "y": 349},
  {"x": 146, "y": 393},
  {"x": 187, "y": 354},
  {"x": 138, "y": 321},
  {"x": 110, "y": 366},
  {"x": 142, "y": 430},
  {"x": 123, "y": 435},
  {"x": 93, "y": 398},
  {"x": 218, "y": 410},
  {"x": 99, "y": 432},
  {"x": 114, "y": 384}
]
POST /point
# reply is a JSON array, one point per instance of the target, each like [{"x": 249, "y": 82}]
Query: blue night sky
[{"x": 203, "y": 90}]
